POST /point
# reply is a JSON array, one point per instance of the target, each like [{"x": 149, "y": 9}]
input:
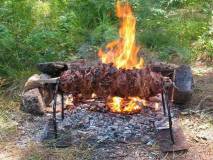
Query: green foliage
[
  {"x": 33, "y": 31},
  {"x": 203, "y": 47}
]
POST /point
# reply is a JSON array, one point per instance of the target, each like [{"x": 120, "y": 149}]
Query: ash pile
[{"x": 93, "y": 125}]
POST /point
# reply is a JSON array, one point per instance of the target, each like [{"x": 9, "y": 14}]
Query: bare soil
[{"x": 196, "y": 120}]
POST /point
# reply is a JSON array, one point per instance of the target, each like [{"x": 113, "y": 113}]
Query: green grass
[
  {"x": 36, "y": 152},
  {"x": 173, "y": 27},
  {"x": 8, "y": 127},
  {"x": 34, "y": 31}
]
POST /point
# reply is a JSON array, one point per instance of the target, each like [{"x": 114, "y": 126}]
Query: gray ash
[{"x": 96, "y": 126}]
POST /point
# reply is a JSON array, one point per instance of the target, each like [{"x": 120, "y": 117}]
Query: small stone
[
  {"x": 145, "y": 139},
  {"x": 101, "y": 105},
  {"x": 184, "y": 113},
  {"x": 150, "y": 143},
  {"x": 127, "y": 131}
]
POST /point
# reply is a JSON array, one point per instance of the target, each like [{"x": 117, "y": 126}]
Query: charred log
[{"x": 106, "y": 80}]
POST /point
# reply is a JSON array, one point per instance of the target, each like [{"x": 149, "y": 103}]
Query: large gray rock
[
  {"x": 32, "y": 102},
  {"x": 183, "y": 80}
]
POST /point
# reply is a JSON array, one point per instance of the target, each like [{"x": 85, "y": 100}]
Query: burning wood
[
  {"x": 106, "y": 80},
  {"x": 121, "y": 73}
]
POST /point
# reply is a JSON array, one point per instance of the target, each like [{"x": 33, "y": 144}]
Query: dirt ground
[
  {"x": 196, "y": 120},
  {"x": 197, "y": 117}
]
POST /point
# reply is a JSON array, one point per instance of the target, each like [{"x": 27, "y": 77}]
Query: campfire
[
  {"x": 123, "y": 53},
  {"x": 121, "y": 77},
  {"x": 121, "y": 80}
]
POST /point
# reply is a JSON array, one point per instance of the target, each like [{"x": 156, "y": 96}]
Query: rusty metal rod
[
  {"x": 163, "y": 102},
  {"x": 54, "y": 108},
  {"x": 169, "y": 117},
  {"x": 62, "y": 106}
]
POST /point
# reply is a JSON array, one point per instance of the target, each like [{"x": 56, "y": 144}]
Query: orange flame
[
  {"x": 130, "y": 105},
  {"x": 123, "y": 53}
]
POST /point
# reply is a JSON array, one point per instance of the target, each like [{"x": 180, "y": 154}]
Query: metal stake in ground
[
  {"x": 62, "y": 105},
  {"x": 54, "y": 108},
  {"x": 172, "y": 138},
  {"x": 167, "y": 109}
]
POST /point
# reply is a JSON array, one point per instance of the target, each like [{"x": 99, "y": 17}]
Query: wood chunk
[{"x": 183, "y": 80}]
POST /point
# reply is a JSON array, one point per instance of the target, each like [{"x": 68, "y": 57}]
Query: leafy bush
[
  {"x": 36, "y": 31},
  {"x": 203, "y": 47}
]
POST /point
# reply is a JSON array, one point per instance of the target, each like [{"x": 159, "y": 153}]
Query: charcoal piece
[
  {"x": 53, "y": 69},
  {"x": 183, "y": 80}
]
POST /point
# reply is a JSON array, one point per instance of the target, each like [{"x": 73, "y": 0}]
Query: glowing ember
[
  {"x": 130, "y": 105},
  {"x": 123, "y": 53},
  {"x": 69, "y": 102},
  {"x": 157, "y": 107}
]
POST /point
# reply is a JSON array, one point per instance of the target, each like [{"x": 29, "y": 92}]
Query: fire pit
[
  {"x": 119, "y": 98},
  {"x": 95, "y": 119}
]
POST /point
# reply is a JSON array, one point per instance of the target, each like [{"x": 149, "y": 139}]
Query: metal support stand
[
  {"x": 170, "y": 135},
  {"x": 54, "y": 108},
  {"x": 62, "y": 106},
  {"x": 167, "y": 110},
  {"x": 163, "y": 102},
  {"x": 170, "y": 123}
]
